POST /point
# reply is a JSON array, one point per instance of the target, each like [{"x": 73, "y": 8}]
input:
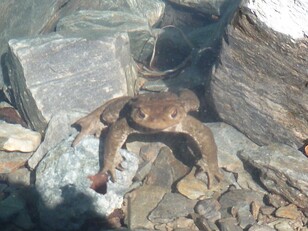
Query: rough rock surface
[
  {"x": 55, "y": 73},
  {"x": 260, "y": 83},
  {"x": 59, "y": 128},
  {"x": 283, "y": 171},
  {"x": 66, "y": 199},
  {"x": 14, "y": 137},
  {"x": 10, "y": 161}
]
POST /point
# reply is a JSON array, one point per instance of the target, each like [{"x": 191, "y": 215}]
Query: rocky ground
[{"x": 64, "y": 58}]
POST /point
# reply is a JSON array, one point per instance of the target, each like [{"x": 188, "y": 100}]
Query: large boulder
[
  {"x": 260, "y": 82},
  {"x": 55, "y": 72}
]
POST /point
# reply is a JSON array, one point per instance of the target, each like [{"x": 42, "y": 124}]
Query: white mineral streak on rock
[
  {"x": 284, "y": 16},
  {"x": 18, "y": 138}
]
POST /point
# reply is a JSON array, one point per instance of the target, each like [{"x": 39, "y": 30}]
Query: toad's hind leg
[{"x": 203, "y": 138}]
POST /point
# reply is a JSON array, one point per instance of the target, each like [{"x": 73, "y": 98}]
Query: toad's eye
[
  {"x": 174, "y": 113},
  {"x": 141, "y": 114}
]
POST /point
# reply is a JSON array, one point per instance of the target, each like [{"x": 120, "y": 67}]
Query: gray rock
[
  {"x": 13, "y": 209},
  {"x": 103, "y": 22},
  {"x": 236, "y": 199},
  {"x": 172, "y": 206},
  {"x": 11, "y": 161},
  {"x": 59, "y": 128},
  {"x": 54, "y": 73},
  {"x": 211, "y": 7},
  {"x": 229, "y": 224},
  {"x": 34, "y": 17},
  {"x": 283, "y": 171},
  {"x": 140, "y": 203},
  {"x": 66, "y": 199},
  {"x": 229, "y": 142},
  {"x": 209, "y": 209},
  {"x": 166, "y": 169},
  {"x": 258, "y": 227},
  {"x": 260, "y": 92}
]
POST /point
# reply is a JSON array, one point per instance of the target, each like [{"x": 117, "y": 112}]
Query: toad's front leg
[
  {"x": 115, "y": 139},
  {"x": 204, "y": 140}
]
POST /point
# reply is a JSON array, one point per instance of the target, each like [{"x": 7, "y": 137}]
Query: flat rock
[
  {"x": 283, "y": 171},
  {"x": 52, "y": 73},
  {"x": 59, "y": 128},
  {"x": 255, "y": 86},
  {"x": 209, "y": 7},
  {"x": 172, "y": 206},
  {"x": 166, "y": 169},
  {"x": 229, "y": 142},
  {"x": 142, "y": 202},
  {"x": 14, "y": 137},
  {"x": 11, "y": 161},
  {"x": 66, "y": 199}
]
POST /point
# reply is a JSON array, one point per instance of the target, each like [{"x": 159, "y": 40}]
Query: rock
[
  {"x": 14, "y": 137},
  {"x": 66, "y": 199},
  {"x": 229, "y": 142},
  {"x": 292, "y": 16},
  {"x": 229, "y": 224},
  {"x": 13, "y": 208},
  {"x": 209, "y": 209},
  {"x": 19, "y": 177},
  {"x": 77, "y": 74},
  {"x": 245, "y": 217},
  {"x": 142, "y": 201},
  {"x": 208, "y": 7},
  {"x": 290, "y": 212},
  {"x": 232, "y": 201},
  {"x": 103, "y": 22},
  {"x": 259, "y": 92},
  {"x": 59, "y": 128},
  {"x": 10, "y": 114},
  {"x": 11, "y": 161},
  {"x": 179, "y": 224},
  {"x": 275, "y": 200},
  {"x": 172, "y": 206},
  {"x": 283, "y": 226},
  {"x": 283, "y": 171},
  {"x": 258, "y": 227},
  {"x": 166, "y": 169},
  {"x": 193, "y": 188},
  {"x": 205, "y": 225}
]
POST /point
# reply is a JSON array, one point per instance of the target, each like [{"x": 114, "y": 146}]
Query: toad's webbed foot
[
  {"x": 99, "y": 182},
  {"x": 212, "y": 174}
]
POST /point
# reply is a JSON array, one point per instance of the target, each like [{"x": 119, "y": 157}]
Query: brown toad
[{"x": 150, "y": 113}]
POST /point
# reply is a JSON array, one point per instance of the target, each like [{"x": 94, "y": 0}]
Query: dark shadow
[{"x": 31, "y": 199}]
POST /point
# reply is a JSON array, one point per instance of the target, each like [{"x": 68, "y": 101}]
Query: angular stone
[
  {"x": 65, "y": 194},
  {"x": 166, "y": 169},
  {"x": 193, "y": 188},
  {"x": 172, "y": 206},
  {"x": 238, "y": 198},
  {"x": 53, "y": 73},
  {"x": 283, "y": 171},
  {"x": 10, "y": 161},
  {"x": 209, "y": 7},
  {"x": 59, "y": 128},
  {"x": 14, "y": 137},
  {"x": 230, "y": 142},
  {"x": 142, "y": 201},
  {"x": 209, "y": 209},
  {"x": 260, "y": 92},
  {"x": 289, "y": 212}
]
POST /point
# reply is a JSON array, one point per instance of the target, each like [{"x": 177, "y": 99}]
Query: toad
[{"x": 149, "y": 113}]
